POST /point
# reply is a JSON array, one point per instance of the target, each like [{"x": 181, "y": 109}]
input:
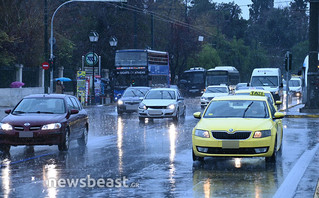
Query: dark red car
[{"x": 45, "y": 119}]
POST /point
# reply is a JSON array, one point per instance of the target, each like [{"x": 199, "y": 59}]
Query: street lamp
[
  {"x": 113, "y": 44},
  {"x": 94, "y": 37},
  {"x": 52, "y": 40}
]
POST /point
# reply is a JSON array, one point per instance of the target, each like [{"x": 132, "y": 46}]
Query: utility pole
[
  {"x": 152, "y": 31},
  {"x": 312, "y": 103}
]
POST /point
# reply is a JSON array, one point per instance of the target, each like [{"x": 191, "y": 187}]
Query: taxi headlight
[
  {"x": 142, "y": 106},
  {"x": 171, "y": 106},
  {"x": 120, "y": 102},
  {"x": 51, "y": 126},
  {"x": 262, "y": 133},
  {"x": 202, "y": 133},
  {"x": 6, "y": 126}
]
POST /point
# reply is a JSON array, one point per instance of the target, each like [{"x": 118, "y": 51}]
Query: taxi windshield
[
  {"x": 237, "y": 109},
  {"x": 216, "y": 90}
]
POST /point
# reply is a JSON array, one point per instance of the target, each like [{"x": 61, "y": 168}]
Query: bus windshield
[
  {"x": 216, "y": 79},
  {"x": 131, "y": 59},
  {"x": 194, "y": 77},
  {"x": 271, "y": 81}
]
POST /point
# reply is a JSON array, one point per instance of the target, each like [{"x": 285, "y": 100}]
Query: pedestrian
[{"x": 59, "y": 89}]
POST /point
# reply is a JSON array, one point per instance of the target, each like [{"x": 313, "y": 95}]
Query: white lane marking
[{"x": 288, "y": 187}]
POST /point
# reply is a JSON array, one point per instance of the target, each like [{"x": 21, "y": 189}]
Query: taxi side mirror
[
  {"x": 278, "y": 102},
  {"x": 279, "y": 115},
  {"x": 197, "y": 115}
]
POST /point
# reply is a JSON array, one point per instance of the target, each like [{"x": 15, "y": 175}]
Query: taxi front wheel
[
  {"x": 272, "y": 158},
  {"x": 197, "y": 158}
]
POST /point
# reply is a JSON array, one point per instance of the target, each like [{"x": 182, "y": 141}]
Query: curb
[
  {"x": 316, "y": 195},
  {"x": 299, "y": 116}
]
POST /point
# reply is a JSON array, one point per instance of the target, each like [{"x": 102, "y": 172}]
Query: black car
[{"x": 45, "y": 119}]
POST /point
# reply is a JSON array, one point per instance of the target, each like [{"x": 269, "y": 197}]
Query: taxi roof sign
[{"x": 257, "y": 93}]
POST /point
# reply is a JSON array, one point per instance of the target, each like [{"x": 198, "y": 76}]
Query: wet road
[{"x": 125, "y": 158}]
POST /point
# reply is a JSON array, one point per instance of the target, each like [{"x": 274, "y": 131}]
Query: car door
[
  {"x": 278, "y": 124},
  {"x": 81, "y": 117},
  {"x": 73, "y": 119}
]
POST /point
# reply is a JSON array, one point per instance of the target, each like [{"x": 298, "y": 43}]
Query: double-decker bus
[
  {"x": 192, "y": 81},
  {"x": 140, "y": 67},
  {"x": 227, "y": 75}
]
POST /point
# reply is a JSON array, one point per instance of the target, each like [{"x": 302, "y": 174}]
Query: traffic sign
[
  {"x": 45, "y": 65},
  {"x": 89, "y": 58}
]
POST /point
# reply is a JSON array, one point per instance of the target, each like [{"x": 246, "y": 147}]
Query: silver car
[
  {"x": 162, "y": 103},
  {"x": 131, "y": 99}
]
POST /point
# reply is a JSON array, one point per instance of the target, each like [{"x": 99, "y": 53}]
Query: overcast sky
[{"x": 244, "y": 5}]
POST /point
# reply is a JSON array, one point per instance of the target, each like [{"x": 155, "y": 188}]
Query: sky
[{"x": 244, "y": 5}]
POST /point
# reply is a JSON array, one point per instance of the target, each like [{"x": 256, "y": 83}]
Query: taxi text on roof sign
[{"x": 257, "y": 93}]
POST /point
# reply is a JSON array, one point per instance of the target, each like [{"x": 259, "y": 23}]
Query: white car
[
  {"x": 295, "y": 86},
  {"x": 212, "y": 92},
  {"x": 162, "y": 103}
]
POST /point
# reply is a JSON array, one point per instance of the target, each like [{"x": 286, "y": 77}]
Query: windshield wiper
[
  {"x": 18, "y": 112},
  {"x": 247, "y": 109},
  {"x": 270, "y": 81},
  {"x": 47, "y": 112},
  {"x": 170, "y": 95}
]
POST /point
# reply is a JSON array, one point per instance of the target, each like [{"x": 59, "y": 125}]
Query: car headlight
[
  {"x": 6, "y": 126},
  {"x": 120, "y": 102},
  {"x": 202, "y": 133},
  {"x": 262, "y": 133},
  {"x": 51, "y": 126},
  {"x": 171, "y": 106},
  {"x": 142, "y": 106}
]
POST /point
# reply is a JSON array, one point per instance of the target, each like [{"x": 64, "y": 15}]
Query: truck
[{"x": 269, "y": 79}]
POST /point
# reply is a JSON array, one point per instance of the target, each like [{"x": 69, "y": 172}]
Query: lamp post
[
  {"x": 113, "y": 44},
  {"x": 94, "y": 37},
  {"x": 52, "y": 40}
]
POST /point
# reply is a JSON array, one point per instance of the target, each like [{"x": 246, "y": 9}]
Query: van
[
  {"x": 295, "y": 86},
  {"x": 268, "y": 78}
]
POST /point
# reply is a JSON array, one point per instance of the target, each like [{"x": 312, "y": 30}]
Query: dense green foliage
[{"x": 229, "y": 39}]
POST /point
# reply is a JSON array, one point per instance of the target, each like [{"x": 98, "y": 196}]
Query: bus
[
  {"x": 192, "y": 81},
  {"x": 227, "y": 75},
  {"x": 140, "y": 67}
]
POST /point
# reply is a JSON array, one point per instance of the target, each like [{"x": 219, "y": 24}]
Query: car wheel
[
  {"x": 141, "y": 119},
  {"x": 83, "y": 140},
  {"x": 184, "y": 112},
  {"x": 272, "y": 158},
  {"x": 119, "y": 112},
  {"x": 176, "y": 118},
  {"x": 5, "y": 148},
  {"x": 64, "y": 145},
  {"x": 197, "y": 158}
]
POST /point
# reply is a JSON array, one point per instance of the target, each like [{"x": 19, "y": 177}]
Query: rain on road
[{"x": 153, "y": 159}]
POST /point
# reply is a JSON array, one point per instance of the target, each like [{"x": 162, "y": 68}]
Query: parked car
[
  {"x": 238, "y": 126},
  {"x": 212, "y": 92},
  {"x": 131, "y": 99},
  {"x": 45, "y": 119},
  {"x": 162, "y": 103}
]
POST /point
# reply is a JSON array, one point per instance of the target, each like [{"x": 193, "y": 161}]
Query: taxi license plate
[
  {"x": 230, "y": 144},
  {"x": 26, "y": 134}
]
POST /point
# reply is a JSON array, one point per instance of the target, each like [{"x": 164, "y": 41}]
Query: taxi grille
[{"x": 239, "y": 135}]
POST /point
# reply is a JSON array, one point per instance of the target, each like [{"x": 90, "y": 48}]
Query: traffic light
[
  {"x": 288, "y": 61},
  {"x": 133, "y": 82}
]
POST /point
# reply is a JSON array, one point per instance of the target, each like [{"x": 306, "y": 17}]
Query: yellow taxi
[
  {"x": 238, "y": 126},
  {"x": 260, "y": 92}
]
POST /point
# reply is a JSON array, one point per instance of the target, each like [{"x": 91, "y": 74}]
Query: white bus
[{"x": 268, "y": 78}]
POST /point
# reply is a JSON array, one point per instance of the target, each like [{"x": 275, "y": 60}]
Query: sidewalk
[{"x": 308, "y": 186}]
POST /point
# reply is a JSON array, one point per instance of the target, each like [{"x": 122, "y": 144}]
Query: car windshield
[
  {"x": 161, "y": 94},
  {"x": 237, "y": 109},
  {"x": 135, "y": 93},
  {"x": 271, "y": 81},
  {"x": 40, "y": 105},
  {"x": 294, "y": 83},
  {"x": 268, "y": 95},
  {"x": 216, "y": 90}
]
